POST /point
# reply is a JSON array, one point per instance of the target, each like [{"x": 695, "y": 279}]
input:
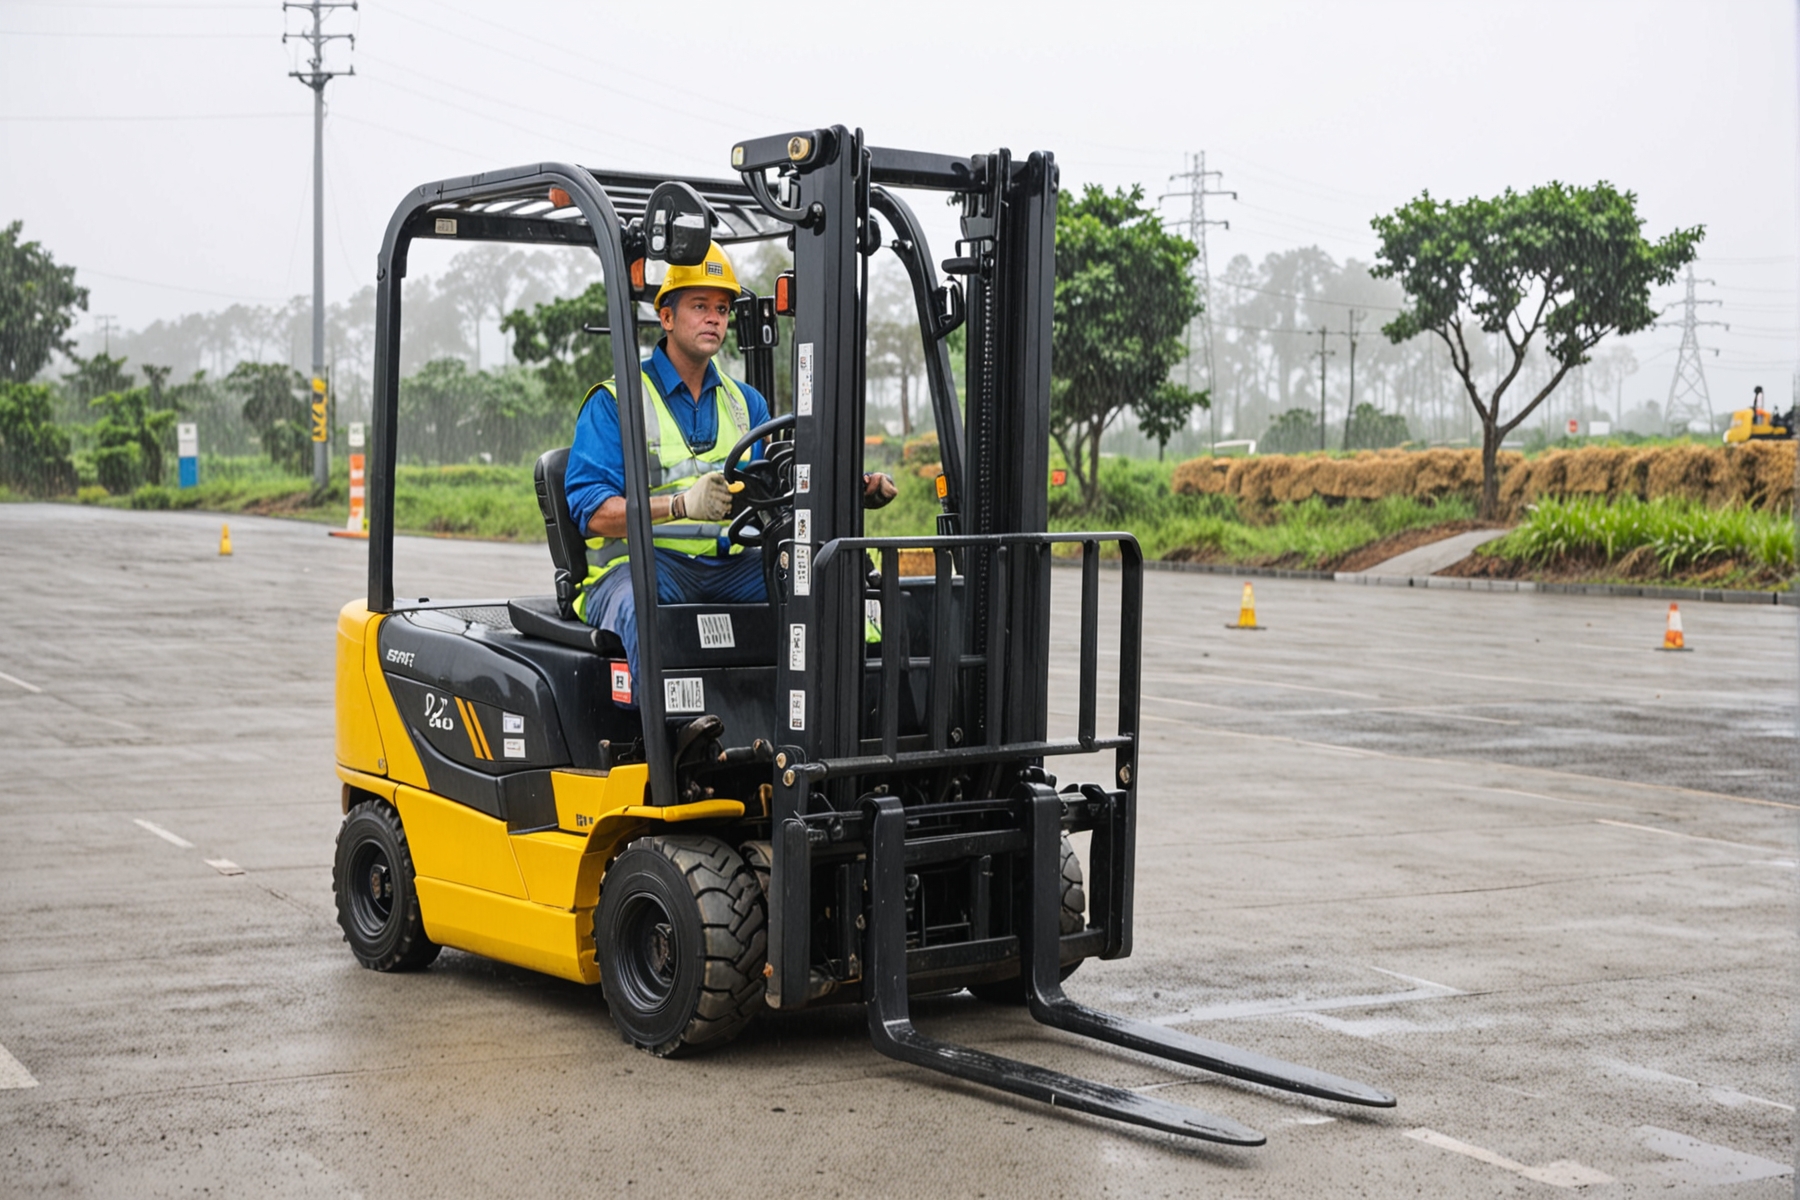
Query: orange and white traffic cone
[
  {"x": 1246, "y": 610},
  {"x": 1672, "y": 639},
  {"x": 224, "y": 539}
]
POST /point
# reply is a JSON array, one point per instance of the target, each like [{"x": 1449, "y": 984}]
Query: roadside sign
[{"x": 187, "y": 449}]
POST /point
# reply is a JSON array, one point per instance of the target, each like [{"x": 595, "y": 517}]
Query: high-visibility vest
[{"x": 672, "y": 467}]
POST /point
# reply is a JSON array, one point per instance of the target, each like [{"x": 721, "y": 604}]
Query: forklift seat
[{"x": 688, "y": 634}]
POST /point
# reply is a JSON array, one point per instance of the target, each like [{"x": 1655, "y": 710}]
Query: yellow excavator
[{"x": 1759, "y": 424}]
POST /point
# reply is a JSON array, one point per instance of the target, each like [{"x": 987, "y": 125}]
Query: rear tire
[
  {"x": 377, "y": 904},
  {"x": 681, "y": 936},
  {"x": 1072, "y": 919}
]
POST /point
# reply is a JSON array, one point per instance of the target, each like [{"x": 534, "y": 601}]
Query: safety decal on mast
[
  {"x": 797, "y": 647},
  {"x": 802, "y": 478},
  {"x": 797, "y": 710},
  {"x": 803, "y": 381}
]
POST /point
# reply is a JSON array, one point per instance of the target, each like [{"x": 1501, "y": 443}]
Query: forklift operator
[{"x": 695, "y": 415}]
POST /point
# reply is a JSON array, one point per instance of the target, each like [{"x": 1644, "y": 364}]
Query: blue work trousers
[{"x": 680, "y": 579}]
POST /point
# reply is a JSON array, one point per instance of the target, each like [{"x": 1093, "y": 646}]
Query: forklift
[
  {"x": 793, "y": 814},
  {"x": 1759, "y": 424}
]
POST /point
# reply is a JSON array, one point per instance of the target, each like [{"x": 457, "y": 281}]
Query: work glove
[
  {"x": 878, "y": 489},
  {"x": 708, "y": 498}
]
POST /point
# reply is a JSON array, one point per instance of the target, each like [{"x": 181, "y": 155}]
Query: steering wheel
[{"x": 767, "y": 494}]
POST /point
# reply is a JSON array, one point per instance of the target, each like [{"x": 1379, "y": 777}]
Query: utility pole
[
  {"x": 1195, "y": 177},
  {"x": 107, "y": 323},
  {"x": 316, "y": 77},
  {"x": 1688, "y": 395},
  {"x": 1356, "y": 316},
  {"x": 1322, "y": 354}
]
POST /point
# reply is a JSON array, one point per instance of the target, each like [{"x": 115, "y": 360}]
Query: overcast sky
[{"x": 162, "y": 149}]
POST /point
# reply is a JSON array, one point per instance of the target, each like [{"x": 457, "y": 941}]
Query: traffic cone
[
  {"x": 224, "y": 539},
  {"x": 1246, "y": 611},
  {"x": 1672, "y": 639}
]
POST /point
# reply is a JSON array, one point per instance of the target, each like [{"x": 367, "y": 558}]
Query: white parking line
[
  {"x": 14, "y": 679},
  {"x": 1705, "y": 1164},
  {"x": 13, "y": 1073},
  {"x": 1562, "y": 1173},
  {"x": 1274, "y": 1008},
  {"x": 224, "y": 866},
  {"x": 174, "y": 839},
  {"x": 1692, "y": 837},
  {"x": 1729, "y": 1097}
]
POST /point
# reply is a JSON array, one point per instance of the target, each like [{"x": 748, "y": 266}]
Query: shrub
[
  {"x": 93, "y": 493},
  {"x": 153, "y": 496},
  {"x": 34, "y": 450}
]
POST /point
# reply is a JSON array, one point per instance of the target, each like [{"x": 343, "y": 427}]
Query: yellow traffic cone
[
  {"x": 225, "y": 539},
  {"x": 1672, "y": 639},
  {"x": 1246, "y": 611}
]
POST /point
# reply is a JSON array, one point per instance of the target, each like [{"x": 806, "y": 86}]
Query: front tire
[
  {"x": 681, "y": 935},
  {"x": 377, "y": 904}
]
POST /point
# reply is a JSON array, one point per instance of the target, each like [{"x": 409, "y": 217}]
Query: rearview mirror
[{"x": 678, "y": 225}]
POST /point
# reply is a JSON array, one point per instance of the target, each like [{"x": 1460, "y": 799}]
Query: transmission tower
[
  {"x": 315, "y": 76},
  {"x": 1196, "y": 222},
  {"x": 1688, "y": 398}
]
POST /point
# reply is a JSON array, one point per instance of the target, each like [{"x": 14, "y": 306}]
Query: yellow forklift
[
  {"x": 1759, "y": 424},
  {"x": 790, "y": 815}
]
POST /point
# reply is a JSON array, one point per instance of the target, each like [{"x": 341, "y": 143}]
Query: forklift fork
[
  {"x": 891, "y": 1028},
  {"x": 1049, "y": 1004}
]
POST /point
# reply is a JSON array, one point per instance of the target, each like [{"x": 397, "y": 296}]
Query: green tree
[
  {"x": 132, "y": 434},
  {"x": 1294, "y": 432},
  {"x": 1570, "y": 263},
  {"x": 275, "y": 402},
  {"x": 34, "y": 449},
  {"x": 1124, "y": 296},
  {"x": 568, "y": 359},
  {"x": 38, "y": 302},
  {"x": 1371, "y": 429},
  {"x": 1166, "y": 411}
]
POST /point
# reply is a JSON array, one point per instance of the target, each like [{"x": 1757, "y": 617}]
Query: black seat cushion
[{"x": 540, "y": 617}]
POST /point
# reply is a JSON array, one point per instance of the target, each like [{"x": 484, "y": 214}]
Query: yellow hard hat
[{"x": 715, "y": 272}]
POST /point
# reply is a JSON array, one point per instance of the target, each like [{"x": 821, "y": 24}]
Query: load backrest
[{"x": 568, "y": 548}]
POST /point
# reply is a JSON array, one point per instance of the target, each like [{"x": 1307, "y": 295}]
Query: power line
[
  {"x": 1322, "y": 354},
  {"x": 266, "y": 116},
  {"x": 1688, "y": 395},
  {"x": 1196, "y": 177},
  {"x": 316, "y": 76}
]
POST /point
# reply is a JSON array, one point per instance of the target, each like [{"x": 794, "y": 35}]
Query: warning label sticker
[
  {"x": 512, "y": 723},
  {"x": 797, "y": 647},
  {"x": 797, "y": 709},
  {"x": 621, "y": 683},
  {"x": 685, "y": 695},
  {"x": 715, "y": 631},
  {"x": 803, "y": 524},
  {"x": 513, "y": 747},
  {"x": 802, "y": 478},
  {"x": 803, "y": 381},
  {"x": 802, "y": 570}
]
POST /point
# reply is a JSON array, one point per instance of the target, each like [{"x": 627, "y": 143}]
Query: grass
[
  {"x": 1137, "y": 498},
  {"x": 1681, "y": 537}
]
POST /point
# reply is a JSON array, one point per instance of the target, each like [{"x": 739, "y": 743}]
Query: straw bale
[
  {"x": 1764, "y": 471},
  {"x": 1202, "y": 476},
  {"x": 1687, "y": 472},
  {"x": 1594, "y": 470}
]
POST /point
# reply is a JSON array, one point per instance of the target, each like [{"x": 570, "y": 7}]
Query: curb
[
  {"x": 1639, "y": 591},
  {"x": 1444, "y": 582}
]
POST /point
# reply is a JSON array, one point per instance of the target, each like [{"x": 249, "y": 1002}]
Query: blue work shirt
[{"x": 596, "y": 471}]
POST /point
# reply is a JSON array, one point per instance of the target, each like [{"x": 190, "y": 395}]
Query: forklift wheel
[
  {"x": 377, "y": 905},
  {"x": 681, "y": 937},
  {"x": 1072, "y": 919}
]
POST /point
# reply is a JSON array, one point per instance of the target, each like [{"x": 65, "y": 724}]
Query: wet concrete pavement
[{"x": 1490, "y": 851}]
